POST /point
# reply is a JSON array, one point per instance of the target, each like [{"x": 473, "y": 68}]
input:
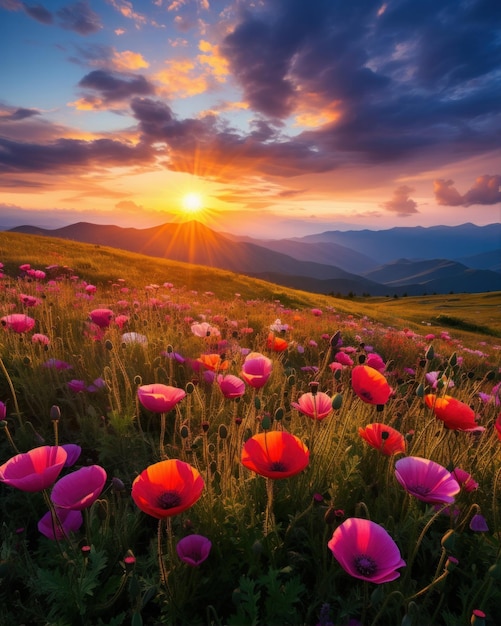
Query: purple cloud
[
  {"x": 38, "y": 13},
  {"x": 400, "y": 203},
  {"x": 485, "y": 190},
  {"x": 80, "y": 18},
  {"x": 113, "y": 87}
]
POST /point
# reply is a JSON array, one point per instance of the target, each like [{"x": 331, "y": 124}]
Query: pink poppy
[
  {"x": 77, "y": 386},
  {"x": 159, "y": 398},
  {"x": 34, "y": 470},
  {"x": 73, "y": 453},
  {"x": 370, "y": 385},
  {"x": 204, "y": 329},
  {"x": 69, "y": 521},
  {"x": 317, "y": 406},
  {"x": 18, "y": 322},
  {"x": 465, "y": 480},
  {"x": 343, "y": 358},
  {"x": 231, "y": 386},
  {"x": 316, "y": 312},
  {"x": 193, "y": 549},
  {"x": 365, "y": 550},
  {"x": 426, "y": 480},
  {"x": 3, "y": 410},
  {"x": 28, "y": 300},
  {"x": 383, "y": 438},
  {"x": 101, "y": 317},
  {"x": 256, "y": 369},
  {"x": 275, "y": 454},
  {"x": 79, "y": 489},
  {"x": 374, "y": 360},
  {"x": 57, "y": 364},
  {"x": 39, "y": 338}
]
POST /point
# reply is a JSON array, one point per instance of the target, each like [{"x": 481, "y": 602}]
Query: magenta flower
[
  {"x": 374, "y": 360},
  {"x": 159, "y": 398},
  {"x": 34, "y": 470},
  {"x": 79, "y": 489},
  {"x": 73, "y": 451},
  {"x": 426, "y": 480},
  {"x": 57, "y": 364},
  {"x": 18, "y": 322},
  {"x": 231, "y": 386},
  {"x": 465, "y": 479},
  {"x": 317, "y": 406},
  {"x": 102, "y": 317},
  {"x": 69, "y": 521},
  {"x": 365, "y": 550},
  {"x": 478, "y": 524},
  {"x": 343, "y": 358},
  {"x": 40, "y": 338},
  {"x": 3, "y": 410},
  {"x": 76, "y": 386},
  {"x": 193, "y": 549},
  {"x": 256, "y": 369}
]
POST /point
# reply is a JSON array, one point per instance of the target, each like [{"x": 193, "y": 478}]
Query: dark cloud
[
  {"x": 38, "y": 13},
  {"x": 80, "y": 18},
  {"x": 485, "y": 190},
  {"x": 69, "y": 154},
  {"x": 22, "y": 114},
  {"x": 401, "y": 204},
  {"x": 114, "y": 87}
]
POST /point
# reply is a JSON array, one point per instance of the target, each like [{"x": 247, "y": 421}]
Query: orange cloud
[
  {"x": 213, "y": 58},
  {"x": 182, "y": 78},
  {"x": 128, "y": 60}
]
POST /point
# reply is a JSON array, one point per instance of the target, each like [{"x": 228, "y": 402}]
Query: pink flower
[
  {"x": 159, "y": 398},
  {"x": 426, "y": 480},
  {"x": 193, "y": 549},
  {"x": 73, "y": 453},
  {"x": 101, "y": 317},
  {"x": 79, "y": 489},
  {"x": 18, "y": 322},
  {"x": 34, "y": 470},
  {"x": 204, "y": 329},
  {"x": 375, "y": 361},
  {"x": 39, "y": 338},
  {"x": 316, "y": 312},
  {"x": 365, "y": 550},
  {"x": 317, "y": 406},
  {"x": 3, "y": 410},
  {"x": 231, "y": 386},
  {"x": 256, "y": 369},
  {"x": 465, "y": 480},
  {"x": 69, "y": 521},
  {"x": 343, "y": 358},
  {"x": 76, "y": 386}
]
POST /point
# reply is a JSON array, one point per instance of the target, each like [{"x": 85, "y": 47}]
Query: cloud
[
  {"x": 114, "y": 87},
  {"x": 80, "y": 18},
  {"x": 21, "y": 114},
  {"x": 38, "y": 13},
  {"x": 401, "y": 204},
  {"x": 485, "y": 190}
]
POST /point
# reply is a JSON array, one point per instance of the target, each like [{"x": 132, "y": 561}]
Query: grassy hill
[{"x": 469, "y": 314}]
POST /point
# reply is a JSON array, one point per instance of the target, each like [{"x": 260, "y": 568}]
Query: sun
[{"x": 192, "y": 203}]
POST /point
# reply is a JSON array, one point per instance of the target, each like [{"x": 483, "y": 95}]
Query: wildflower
[
  {"x": 231, "y": 386},
  {"x": 437, "y": 380},
  {"x": 134, "y": 338},
  {"x": 497, "y": 426},
  {"x": 370, "y": 385},
  {"x": 34, "y": 470},
  {"x": 365, "y": 550},
  {"x": 69, "y": 521},
  {"x": 79, "y": 489},
  {"x": 167, "y": 488},
  {"x": 478, "y": 524},
  {"x": 316, "y": 312},
  {"x": 159, "y": 398},
  {"x": 374, "y": 360},
  {"x": 276, "y": 344},
  {"x": 465, "y": 480},
  {"x": 18, "y": 322},
  {"x": 76, "y": 386},
  {"x": 57, "y": 364},
  {"x": 73, "y": 453},
  {"x": 204, "y": 329},
  {"x": 213, "y": 362},
  {"x": 275, "y": 454},
  {"x": 256, "y": 369},
  {"x": 193, "y": 549},
  {"x": 3, "y": 410},
  {"x": 426, "y": 480},
  {"x": 317, "y": 406},
  {"x": 454, "y": 414},
  {"x": 40, "y": 338},
  {"x": 101, "y": 317},
  {"x": 384, "y": 438},
  {"x": 342, "y": 358}
]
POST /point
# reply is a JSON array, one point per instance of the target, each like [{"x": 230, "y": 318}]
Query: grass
[{"x": 269, "y": 562}]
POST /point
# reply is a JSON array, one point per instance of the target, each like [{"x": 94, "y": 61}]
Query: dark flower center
[
  {"x": 422, "y": 490},
  {"x": 278, "y": 466},
  {"x": 169, "y": 500},
  {"x": 366, "y": 394},
  {"x": 365, "y": 565}
]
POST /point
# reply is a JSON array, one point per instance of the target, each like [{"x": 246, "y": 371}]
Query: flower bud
[
  {"x": 337, "y": 401},
  {"x": 55, "y": 413}
]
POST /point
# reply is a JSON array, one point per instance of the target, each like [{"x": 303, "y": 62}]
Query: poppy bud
[
  {"x": 205, "y": 426},
  {"x": 3, "y": 410},
  {"x": 279, "y": 414},
  {"x": 222, "y": 431},
  {"x": 337, "y": 401},
  {"x": 184, "y": 432},
  {"x": 190, "y": 388},
  {"x": 448, "y": 541},
  {"x": 257, "y": 403},
  {"x": 117, "y": 485},
  {"x": 169, "y": 349},
  {"x": 420, "y": 390},
  {"x": 430, "y": 353},
  {"x": 138, "y": 380},
  {"x": 336, "y": 340},
  {"x": 55, "y": 413},
  {"x": 361, "y": 359},
  {"x": 291, "y": 380},
  {"x": 451, "y": 564},
  {"x": 108, "y": 345},
  {"x": 266, "y": 422},
  {"x": 129, "y": 562},
  {"x": 477, "y": 618},
  {"x": 330, "y": 516}
]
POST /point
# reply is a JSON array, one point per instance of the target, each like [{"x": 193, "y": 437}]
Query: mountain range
[{"x": 397, "y": 261}]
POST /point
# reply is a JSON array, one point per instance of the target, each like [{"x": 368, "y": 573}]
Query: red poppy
[
  {"x": 34, "y": 470},
  {"x": 275, "y": 454},
  {"x": 277, "y": 344},
  {"x": 384, "y": 438},
  {"x": 454, "y": 414},
  {"x": 370, "y": 385},
  {"x": 159, "y": 398},
  {"x": 167, "y": 488}
]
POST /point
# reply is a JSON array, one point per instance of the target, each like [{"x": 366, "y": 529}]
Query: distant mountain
[
  {"x": 483, "y": 261},
  {"x": 320, "y": 266}
]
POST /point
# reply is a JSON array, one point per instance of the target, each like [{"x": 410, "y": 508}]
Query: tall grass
[{"x": 262, "y": 569}]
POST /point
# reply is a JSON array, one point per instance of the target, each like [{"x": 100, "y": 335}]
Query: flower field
[{"x": 171, "y": 455}]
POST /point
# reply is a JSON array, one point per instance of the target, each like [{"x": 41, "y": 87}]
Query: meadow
[{"x": 188, "y": 446}]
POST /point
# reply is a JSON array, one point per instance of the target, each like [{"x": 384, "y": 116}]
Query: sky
[{"x": 271, "y": 118}]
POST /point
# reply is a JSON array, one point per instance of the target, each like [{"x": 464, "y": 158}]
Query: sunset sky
[{"x": 271, "y": 118}]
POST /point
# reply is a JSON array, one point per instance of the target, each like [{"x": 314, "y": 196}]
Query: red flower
[
  {"x": 167, "y": 488},
  {"x": 275, "y": 454},
  {"x": 454, "y": 414},
  {"x": 277, "y": 344},
  {"x": 159, "y": 398},
  {"x": 213, "y": 362},
  {"x": 34, "y": 470},
  {"x": 370, "y": 385},
  {"x": 384, "y": 438}
]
